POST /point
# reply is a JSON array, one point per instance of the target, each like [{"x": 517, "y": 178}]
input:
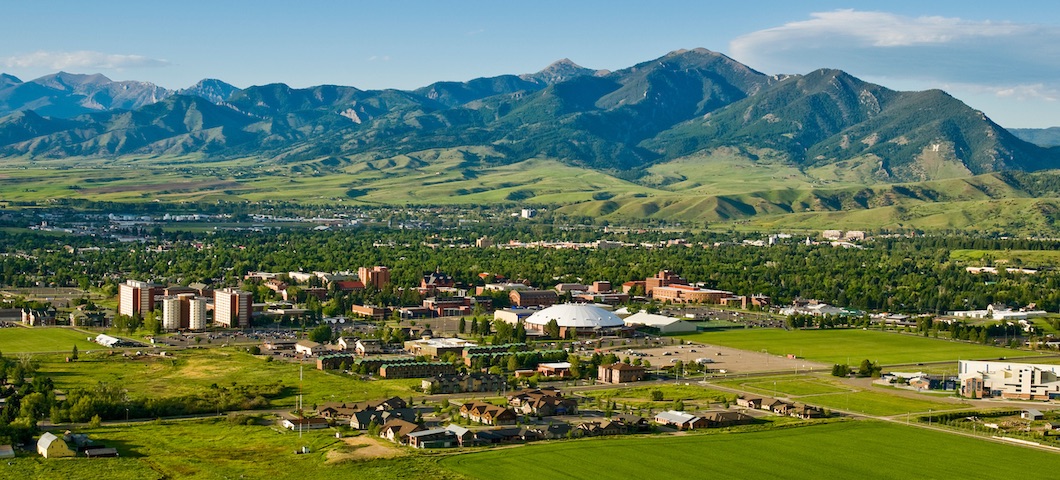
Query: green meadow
[
  {"x": 218, "y": 449},
  {"x": 44, "y": 339},
  {"x": 186, "y": 372},
  {"x": 850, "y": 345},
  {"x": 832, "y": 450}
]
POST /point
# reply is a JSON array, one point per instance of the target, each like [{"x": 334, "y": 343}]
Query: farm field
[
  {"x": 876, "y": 402},
  {"x": 851, "y": 345},
  {"x": 216, "y": 448},
  {"x": 50, "y": 339},
  {"x": 762, "y": 454},
  {"x": 191, "y": 371}
]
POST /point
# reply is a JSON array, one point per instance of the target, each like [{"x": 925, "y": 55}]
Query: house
[
  {"x": 309, "y": 348},
  {"x": 542, "y": 402},
  {"x": 365, "y": 347},
  {"x": 727, "y": 419},
  {"x": 51, "y": 446},
  {"x": 605, "y": 427},
  {"x": 464, "y": 436},
  {"x": 499, "y": 435},
  {"x": 680, "y": 420},
  {"x": 778, "y": 407},
  {"x": 362, "y": 419},
  {"x": 633, "y": 423},
  {"x": 433, "y": 438},
  {"x": 620, "y": 373},
  {"x": 397, "y": 430},
  {"x": 339, "y": 411},
  {"x": 461, "y": 383},
  {"x": 755, "y": 403},
  {"x": 488, "y": 414},
  {"x": 311, "y": 423},
  {"x": 554, "y": 431},
  {"x": 805, "y": 412}
]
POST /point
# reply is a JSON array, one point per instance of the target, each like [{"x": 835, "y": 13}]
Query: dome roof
[{"x": 577, "y": 315}]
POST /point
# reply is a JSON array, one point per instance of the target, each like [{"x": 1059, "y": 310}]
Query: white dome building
[{"x": 584, "y": 318}]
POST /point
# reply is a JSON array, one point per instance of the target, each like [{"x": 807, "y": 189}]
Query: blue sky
[{"x": 1002, "y": 60}]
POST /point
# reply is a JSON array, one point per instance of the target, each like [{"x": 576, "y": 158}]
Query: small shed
[
  {"x": 1032, "y": 414},
  {"x": 7, "y": 451}
]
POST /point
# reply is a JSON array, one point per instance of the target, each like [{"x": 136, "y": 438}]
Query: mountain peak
[
  {"x": 212, "y": 89},
  {"x": 65, "y": 80},
  {"x": 8, "y": 80},
  {"x": 560, "y": 71}
]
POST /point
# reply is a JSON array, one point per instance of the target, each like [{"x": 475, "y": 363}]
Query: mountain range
[{"x": 620, "y": 122}]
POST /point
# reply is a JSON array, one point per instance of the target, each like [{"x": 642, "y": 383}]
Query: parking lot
[{"x": 730, "y": 360}]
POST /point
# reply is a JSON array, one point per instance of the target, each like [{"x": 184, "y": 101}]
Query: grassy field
[
  {"x": 841, "y": 346},
  {"x": 217, "y": 449},
  {"x": 51, "y": 339},
  {"x": 792, "y": 386},
  {"x": 1027, "y": 258},
  {"x": 834, "y": 450},
  {"x": 190, "y": 371},
  {"x": 876, "y": 402}
]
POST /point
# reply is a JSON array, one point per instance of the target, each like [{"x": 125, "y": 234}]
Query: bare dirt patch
[
  {"x": 729, "y": 359},
  {"x": 363, "y": 447}
]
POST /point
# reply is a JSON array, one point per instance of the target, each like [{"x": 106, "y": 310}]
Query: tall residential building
[
  {"x": 136, "y": 297},
  {"x": 184, "y": 311},
  {"x": 232, "y": 308},
  {"x": 376, "y": 276}
]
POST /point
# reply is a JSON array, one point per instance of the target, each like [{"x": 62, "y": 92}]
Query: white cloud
[
  {"x": 938, "y": 49},
  {"x": 379, "y": 58},
  {"x": 80, "y": 60}
]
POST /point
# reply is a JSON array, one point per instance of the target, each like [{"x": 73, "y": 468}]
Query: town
[{"x": 486, "y": 357}]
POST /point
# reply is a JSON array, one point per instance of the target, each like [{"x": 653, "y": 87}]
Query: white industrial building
[
  {"x": 1024, "y": 381},
  {"x": 665, "y": 324}
]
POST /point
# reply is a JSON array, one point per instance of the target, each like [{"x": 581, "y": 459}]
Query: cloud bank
[
  {"x": 1011, "y": 59},
  {"x": 80, "y": 60}
]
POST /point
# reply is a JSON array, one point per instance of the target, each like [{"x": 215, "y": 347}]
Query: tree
[
  {"x": 840, "y": 370},
  {"x": 73, "y": 354},
  {"x": 575, "y": 365},
  {"x": 552, "y": 329},
  {"x": 865, "y": 369},
  {"x": 656, "y": 395},
  {"x": 462, "y": 326},
  {"x": 320, "y": 334}
]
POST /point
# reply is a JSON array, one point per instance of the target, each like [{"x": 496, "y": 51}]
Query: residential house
[
  {"x": 488, "y": 414},
  {"x": 727, "y": 419},
  {"x": 311, "y": 423},
  {"x": 397, "y": 430},
  {"x": 542, "y": 402},
  {"x": 464, "y": 436},
  {"x": 805, "y": 412},
  {"x": 633, "y": 423},
  {"x": 365, "y": 347},
  {"x": 309, "y": 348},
  {"x": 433, "y": 438},
  {"x": 753, "y": 402},
  {"x": 363, "y": 418}
]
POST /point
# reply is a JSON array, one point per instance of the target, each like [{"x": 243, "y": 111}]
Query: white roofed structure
[{"x": 662, "y": 322}]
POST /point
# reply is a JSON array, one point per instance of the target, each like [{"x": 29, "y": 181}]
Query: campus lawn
[
  {"x": 882, "y": 403},
  {"x": 189, "y": 371},
  {"x": 43, "y": 339},
  {"x": 831, "y": 450},
  {"x": 851, "y": 345},
  {"x": 216, "y": 449},
  {"x": 789, "y": 386}
]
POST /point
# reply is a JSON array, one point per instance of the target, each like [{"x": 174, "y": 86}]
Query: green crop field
[
  {"x": 853, "y": 345},
  {"x": 51, "y": 339},
  {"x": 192, "y": 370},
  {"x": 217, "y": 449},
  {"x": 833, "y": 450}
]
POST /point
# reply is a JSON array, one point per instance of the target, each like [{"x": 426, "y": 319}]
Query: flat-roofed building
[
  {"x": 137, "y": 298},
  {"x": 437, "y": 347},
  {"x": 232, "y": 308}
]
